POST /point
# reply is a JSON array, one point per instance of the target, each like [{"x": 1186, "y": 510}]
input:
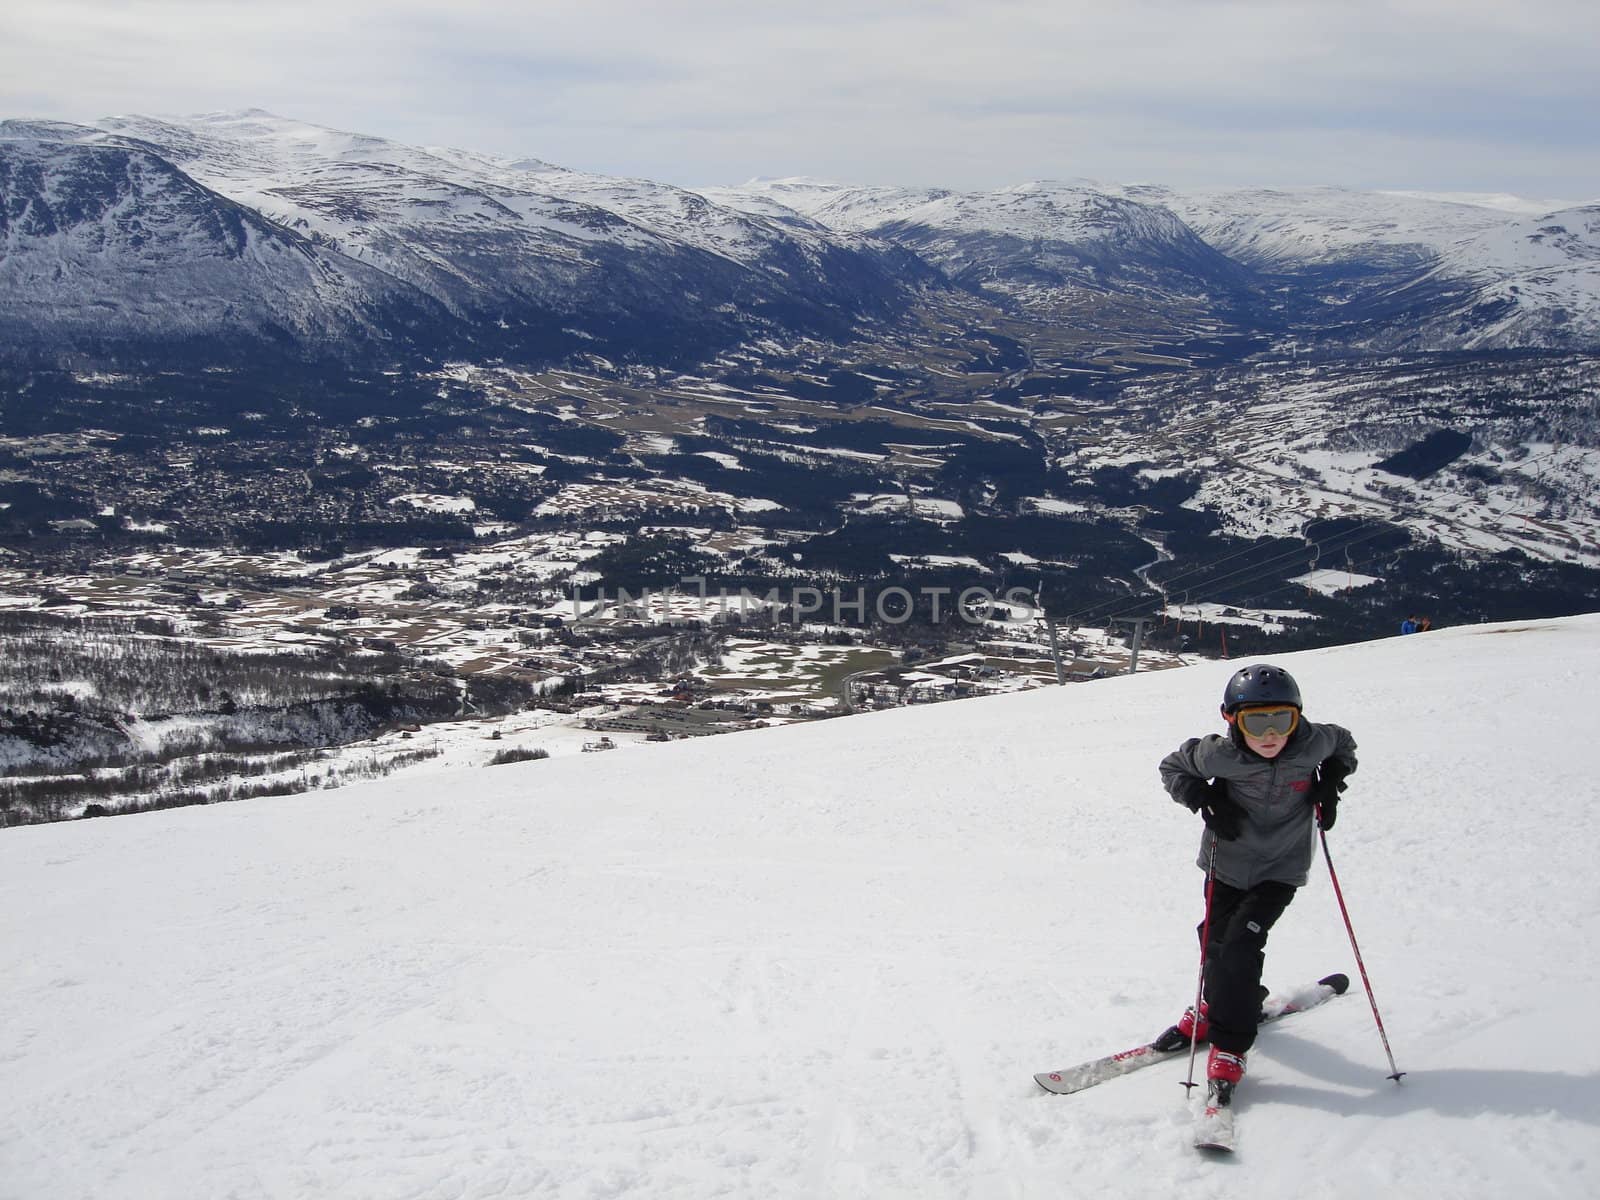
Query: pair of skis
[{"x": 1214, "y": 1125}]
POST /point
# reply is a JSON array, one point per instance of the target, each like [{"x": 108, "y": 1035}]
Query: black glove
[
  {"x": 1327, "y": 811},
  {"x": 1330, "y": 781},
  {"x": 1221, "y": 812}
]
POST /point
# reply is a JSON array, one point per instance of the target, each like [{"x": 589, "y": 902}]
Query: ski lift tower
[{"x": 1138, "y": 624}]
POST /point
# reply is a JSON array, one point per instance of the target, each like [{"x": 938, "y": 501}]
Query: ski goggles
[{"x": 1272, "y": 719}]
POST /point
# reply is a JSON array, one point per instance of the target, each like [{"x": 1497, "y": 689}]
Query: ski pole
[
  {"x": 1200, "y": 983},
  {"x": 1394, "y": 1072}
]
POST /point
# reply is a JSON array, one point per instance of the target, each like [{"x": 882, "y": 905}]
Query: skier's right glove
[
  {"x": 1327, "y": 812},
  {"x": 1220, "y": 811},
  {"x": 1330, "y": 781}
]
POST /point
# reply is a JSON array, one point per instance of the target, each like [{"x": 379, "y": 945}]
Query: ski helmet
[{"x": 1260, "y": 683}]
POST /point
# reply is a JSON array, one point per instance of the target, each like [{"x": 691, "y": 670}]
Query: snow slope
[{"x": 824, "y": 960}]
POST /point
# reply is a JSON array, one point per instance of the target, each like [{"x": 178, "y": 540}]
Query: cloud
[{"x": 1416, "y": 93}]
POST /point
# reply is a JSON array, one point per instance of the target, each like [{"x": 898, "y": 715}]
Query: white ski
[
  {"x": 1213, "y": 1128},
  {"x": 1074, "y": 1079}
]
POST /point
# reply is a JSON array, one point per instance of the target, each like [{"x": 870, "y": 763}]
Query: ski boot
[
  {"x": 1176, "y": 1037},
  {"x": 1223, "y": 1073},
  {"x": 1213, "y": 1128}
]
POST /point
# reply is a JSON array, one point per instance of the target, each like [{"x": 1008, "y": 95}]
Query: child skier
[{"x": 1257, "y": 789}]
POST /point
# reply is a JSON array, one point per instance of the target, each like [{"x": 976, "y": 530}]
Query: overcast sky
[{"x": 1458, "y": 95}]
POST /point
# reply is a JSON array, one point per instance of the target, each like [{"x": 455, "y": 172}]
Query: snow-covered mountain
[
  {"x": 825, "y": 961},
  {"x": 1532, "y": 283},
  {"x": 1365, "y": 270},
  {"x": 1419, "y": 272},
  {"x": 516, "y": 255},
  {"x": 1050, "y": 246},
  {"x": 111, "y": 246}
]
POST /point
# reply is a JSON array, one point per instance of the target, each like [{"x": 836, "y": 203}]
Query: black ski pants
[{"x": 1241, "y": 918}]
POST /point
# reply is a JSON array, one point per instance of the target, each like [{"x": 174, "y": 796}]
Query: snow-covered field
[{"x": 824, "y": 961}]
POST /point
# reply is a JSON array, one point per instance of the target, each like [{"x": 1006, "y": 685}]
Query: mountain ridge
[
  {"x": 492, "y": 256},
  {"x": 519, "y": 254}
]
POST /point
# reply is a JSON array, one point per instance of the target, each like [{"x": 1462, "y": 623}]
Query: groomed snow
[{"x": 824, "y": 961}]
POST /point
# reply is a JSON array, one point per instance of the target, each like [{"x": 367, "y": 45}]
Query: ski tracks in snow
[
  {"x": 986, "y": 1157},
  {"x": 833, "y": 1169},
  {"x": 925, "y": 1095}
]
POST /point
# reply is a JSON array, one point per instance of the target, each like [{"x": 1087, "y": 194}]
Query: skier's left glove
[{"x": 1325, "y": 791}]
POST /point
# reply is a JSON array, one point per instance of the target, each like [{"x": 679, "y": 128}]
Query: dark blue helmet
[{"x": 1260, "y": 683}]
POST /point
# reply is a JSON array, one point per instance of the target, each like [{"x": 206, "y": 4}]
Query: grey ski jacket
[{"x": 1276, "y": 841}]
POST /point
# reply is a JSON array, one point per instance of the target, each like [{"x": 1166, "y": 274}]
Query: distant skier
[
  {"x": 1257, "y": 788},
  {"x": 1410, "y": 624}
]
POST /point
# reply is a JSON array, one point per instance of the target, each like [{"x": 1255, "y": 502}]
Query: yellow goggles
[{"x": 1265, "y": 721}]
